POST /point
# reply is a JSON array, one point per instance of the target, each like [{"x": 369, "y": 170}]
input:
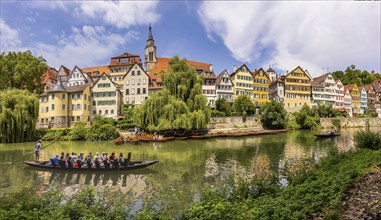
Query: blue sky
[{"x": 318, "y": 36}]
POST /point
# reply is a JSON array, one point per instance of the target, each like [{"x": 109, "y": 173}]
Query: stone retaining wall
[
  {"x": 351, "y": 122},
  {"x": 225, "y": 123}
]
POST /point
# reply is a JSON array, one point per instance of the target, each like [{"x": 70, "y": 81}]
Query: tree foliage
[
  {"x": 22, "y": 70},
  {"x": 224, "y": 106},
  {"x": 18, "y": 115},
  {"x": 355, "y": 76},
  {"x": 243, "y": 105},
  {"x": 307, "y": 118},
  {"x": 273, "y": 115},
  {"x": 180, "y": 105}
]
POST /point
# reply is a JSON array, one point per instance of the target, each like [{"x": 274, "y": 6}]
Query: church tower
[{"x": 150, "y": 52}]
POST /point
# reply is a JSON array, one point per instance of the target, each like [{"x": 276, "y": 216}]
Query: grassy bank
[
  {"x": 319, "y": 190},
  {"x": 315, "y": 188}
]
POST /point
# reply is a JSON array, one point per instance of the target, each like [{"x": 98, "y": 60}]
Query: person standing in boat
[{"x": 38, "y": 149}]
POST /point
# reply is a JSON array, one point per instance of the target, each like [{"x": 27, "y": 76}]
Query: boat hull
[
  {"x": 326, "y": 135},
  {"x": 133, "y": 166}
]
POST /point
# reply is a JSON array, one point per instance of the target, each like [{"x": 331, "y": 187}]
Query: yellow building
[
  {"x": 355, "y": 95},
  {"x": 261, "y": 86},
  {"x": 62, "y": 106},
  {"x": 297, "y": 89},
  {"x": 242, "y": 81}
]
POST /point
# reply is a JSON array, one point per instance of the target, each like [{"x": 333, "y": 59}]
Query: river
[{"x": 185, "y": 167}]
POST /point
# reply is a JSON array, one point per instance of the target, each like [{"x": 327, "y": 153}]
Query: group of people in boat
[{"x": 97, "y": 161}]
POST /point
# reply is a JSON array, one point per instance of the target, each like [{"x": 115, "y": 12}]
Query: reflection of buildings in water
[
  {"x": 233, "y": 170},
  {"x": 260, "y": 166},
  {"x": 232, "y": 142}
]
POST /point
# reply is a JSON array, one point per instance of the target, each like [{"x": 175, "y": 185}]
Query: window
[
  {"x": 72, "y": 119},
  {"x": 78, "y": 118},
  {"x": 85, "y": 107},
  {"x": 100, "y": 112},
  {"x": 127, "y": 82},
  {"x": 138, "y": 73},
  {"x": 52, "y": 107},
  {"x": 132, "y": 82},
  {"x": 142, "y": 99},
  {"x": 53, "y": 95},
  {"x": 63, "y": 106},
  {"x": 139, "y": 80},
  {"x": 144, "y": 90},
  {"x": 63, "y": 96},
  {"x": 138, "y": 91},
  {"x": 52, "y": 119},
  {"x": 112, "y": 111},
  {"x": 132, "y": 73},
  {"x": 132, "y": 91},
  {"x": 78, "y": 106},
  {"x": 127, "y": 91},
  {"x": 117, "y": 61},
  {"x": 127, "y": 100},
  {"x": 94, "y": 103},
  {"x": 133, "y": 100},
  {"x": 42, "y": 121},
  {"x": 124, "y": 60},
  {"x": 63, "y": 119},
  {"x": 85, "y": 96},
  {"x": 144, "y": 81}
]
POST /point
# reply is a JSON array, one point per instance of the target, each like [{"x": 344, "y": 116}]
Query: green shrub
[
  {"x": 373, "y": 114},
  {"x": 273, "y": 115},
  {"x": 216, "y": 113},
  {"x": 56, "y": 134},
  {"x": 367, "y": 139},
  {"x": 336, "y": 122},
  {"x": 78, "y": 132}
]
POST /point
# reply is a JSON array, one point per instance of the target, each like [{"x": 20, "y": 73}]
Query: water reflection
[{"x": 185, "y": 166}]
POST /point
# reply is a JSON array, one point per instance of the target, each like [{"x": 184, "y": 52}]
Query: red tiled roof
[
  {"x": 99, "y": 69},
  {"x": 368, "y": 87},
  {"x": 318, "y": 81},
  {"x": 377, "y": 85},
  {"x": 51, "y": 73},
  {"x": 162, "y": 65}
]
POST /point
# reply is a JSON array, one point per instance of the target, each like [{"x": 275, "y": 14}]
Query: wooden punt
[
  {"x": 327, "y": 135},
  {"x": 132, "y": 165}
]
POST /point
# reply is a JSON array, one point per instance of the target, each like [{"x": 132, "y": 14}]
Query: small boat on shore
[{"x": 132, "y": 165}]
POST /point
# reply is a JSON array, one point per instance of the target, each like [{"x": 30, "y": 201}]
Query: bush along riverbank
[{"x": 316, "y": 189}]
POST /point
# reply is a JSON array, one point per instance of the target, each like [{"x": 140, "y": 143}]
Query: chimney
[
  {"x": 211, "y": 68},
  {"x": 234, "y": 68}
]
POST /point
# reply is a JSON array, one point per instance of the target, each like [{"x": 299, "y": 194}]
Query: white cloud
[
  {"x": 85, "y": 47},
  {"x": 9, "y": 38},
  {"x": 310, "y": 34},
  {"x": 121, "y": 14}
]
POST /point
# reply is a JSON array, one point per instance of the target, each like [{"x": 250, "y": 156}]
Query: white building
[
  {"x": 107, "y": 99},
  {"x": 363, "y": 100},
  {"x": 272, "y": 74},
  {"x": 276, "y": 90},
  {"x": 77, "y": 77},
  {"x": 224, "y": 86},
  {"x": 135, "y": 85},
  {"x": 323, "y": 90},
  {"x": 348, "y": 101},
  {"x": 339, "y": 89}
]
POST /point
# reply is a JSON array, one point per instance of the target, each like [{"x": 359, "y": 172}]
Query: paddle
[{"x": 31, "y": 153}]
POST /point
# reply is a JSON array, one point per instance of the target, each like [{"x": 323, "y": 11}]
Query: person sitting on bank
[{"x": 37, "y": 150}]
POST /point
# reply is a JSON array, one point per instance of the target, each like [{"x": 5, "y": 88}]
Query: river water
[{"x": 185, "y": 167}]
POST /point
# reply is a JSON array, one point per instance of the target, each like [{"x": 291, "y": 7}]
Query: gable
[
  {"x": 133, "y": 70},
  {"x": 298, "y": 70},
  {"x": 105, "y": 79},
  {"x": 261, "y": 74}
]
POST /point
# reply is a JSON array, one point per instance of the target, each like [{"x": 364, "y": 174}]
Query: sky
[{"x": 318, "y": 36}]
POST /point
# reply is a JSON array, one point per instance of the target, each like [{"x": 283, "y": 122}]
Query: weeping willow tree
[
  {"x": 18, "y": 115},
  {"x": 180, "y": 105}
]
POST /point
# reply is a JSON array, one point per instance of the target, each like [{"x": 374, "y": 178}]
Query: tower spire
[{"x": 150, "y": 37}]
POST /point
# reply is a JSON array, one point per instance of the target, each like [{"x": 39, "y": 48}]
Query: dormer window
[{"x": 117, "y": 61}]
